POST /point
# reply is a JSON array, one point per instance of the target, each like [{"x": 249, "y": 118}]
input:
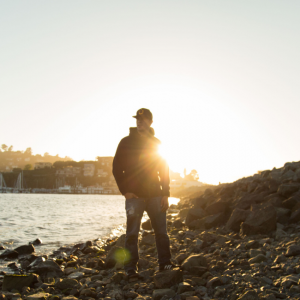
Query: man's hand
[
  {"x": 130, "y": 195},
  {"x": 164, "y": 203}
]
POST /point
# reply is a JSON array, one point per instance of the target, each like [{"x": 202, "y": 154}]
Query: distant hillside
[{"x": 10, "y": 159}]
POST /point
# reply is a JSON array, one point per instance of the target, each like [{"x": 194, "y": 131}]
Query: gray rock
[
  {"x": 76, "y": 275},
  {"x": 257, "y": 259},
  {"x": 295, "y": 216},
  {"x": 194, "y": 261},
  {"x": 184, "y": 287},
  {"x": 214, "y": 220},
  {"x": 115, "y": 254},
  {"x": 216, "y": 208},
  {"x": 194, "y": 214},
  {"x": 38, "y": 296},
  {"x": 158, "y": 294},
  {"x": 48, "y": 269},
  {"x": 147, "y": 225}
]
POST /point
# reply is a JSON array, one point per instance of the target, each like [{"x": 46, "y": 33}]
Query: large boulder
[
  {"x": 66, "y": 283},
  {"x": 291, "y": 202},
  {"x": 18, "y": 282},
  {"x": 148, "y": 240},
  {"x": 167, "y": 278},
  {"x": 194, "y": 214},
  {"x": 216, "y": 208},
  {"x": 237, "y": 217},
  {"x": 147, "y": 225},
  {"x": 214, "y": 220},
  {"x": 287, "y": 189},
  {"x": 260, "y": 221}
]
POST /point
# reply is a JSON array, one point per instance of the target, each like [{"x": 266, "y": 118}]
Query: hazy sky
[{"x": 221, "y": 78}]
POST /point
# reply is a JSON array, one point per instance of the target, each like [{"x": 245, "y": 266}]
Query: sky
[{"x": 220, "y": 77}]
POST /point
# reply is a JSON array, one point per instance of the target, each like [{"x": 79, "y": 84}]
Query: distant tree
[
  {"x": 28, "y": 167},
  {"x": 28, "y": 151},
  {"x": 192, "y": 176},
  {"x": 10, "y": 148},
  {"x": 67, "y": 158},
  {"x": 46, "y": 154},
  {"x": 4, "y": 147}
]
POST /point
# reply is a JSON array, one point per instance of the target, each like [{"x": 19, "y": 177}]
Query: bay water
[{"x": 59, "y": 219}]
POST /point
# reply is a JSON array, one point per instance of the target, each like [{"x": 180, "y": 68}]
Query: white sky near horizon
[{"x": 221, "y": 78}]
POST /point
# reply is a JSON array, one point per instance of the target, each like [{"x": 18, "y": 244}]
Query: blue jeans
[{"x": 135, "y": 208}]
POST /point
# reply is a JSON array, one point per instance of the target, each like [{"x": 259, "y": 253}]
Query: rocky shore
[{"x": 235, "y": 241}]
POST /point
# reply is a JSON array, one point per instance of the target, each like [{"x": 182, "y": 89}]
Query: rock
[
  {"x": 183, "y": 213},
  {"x": 47, "y": 269},
  {"x": 188, "y": 294},
  {"x": 197, "y": 260},
  {"x": 295, "y": 216},
  {"x": 216, "y": 208},
  {"x": 257, "y": 259},
  {"x": 88, "y": 292},
  {"x": 66, "y": 283},
  {"x": 158, "y": 294},
  {"x": 121, "y": 241},
  {"x": 184, "y": 287},
  {"x": 214, "y": 282},
  {"x": 237, "y": 217},
  {"x": 115, "y": 254},
  {"x": 181, "y": 257},
  {"x": 291, "y": 202},
  {"x": 9, "y": 254},
  {"x": 260, "y": 221},
  {"x": 197, "y": 270},
  {"x": 147, "y": 225},
  {"x": 178, "y": 224},
  {"x": 130, "y": 294},
  {"x": 142, "y": 263},
  {"x": 287, "y": 189},
  {"x": 283, "y": 215},
  {"x": 2, "y": 247},
  {"x": 214, "y": 220},
  {"x": 118, "y": 277},
  {"x": 25, "y": 249},
  {"x": 149, "y": 240},
  {"x": 194, "y": 214},
  {"x": 68, "y": 298},
  {"x": 36, "y": 242},
  {"x": 293, "y": 250},
  {"x": 249, "y": 295},
  {"x": 38, "y": 296},
  {"x": 167, "y": 278},
  {"x": 18, "y": 282}
]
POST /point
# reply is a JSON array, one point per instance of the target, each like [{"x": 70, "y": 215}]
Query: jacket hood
[{"x": 133, "y": 131}]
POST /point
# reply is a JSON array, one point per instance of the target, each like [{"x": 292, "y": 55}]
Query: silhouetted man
[{"x": 142, "y": 176}]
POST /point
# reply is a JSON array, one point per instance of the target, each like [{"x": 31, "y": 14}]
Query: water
[{"x": 59, "y": 220}]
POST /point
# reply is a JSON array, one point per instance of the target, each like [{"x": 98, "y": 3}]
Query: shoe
[
  {"x": 132, "y": 274},
  {"x": 168, "y": 266}
]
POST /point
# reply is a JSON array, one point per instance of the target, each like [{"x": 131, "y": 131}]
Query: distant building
[
  {"x": 105, "y": 160},
  {"x": 88, "y": 170},
  {"x": 101, "y": 173},
  {"x": 42, "y": 165},
  {"x": 181, "y": 183}
]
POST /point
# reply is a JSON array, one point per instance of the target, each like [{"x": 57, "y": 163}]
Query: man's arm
[{"x": 118, "y": 168}]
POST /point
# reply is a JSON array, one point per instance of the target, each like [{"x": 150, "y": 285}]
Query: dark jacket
[{"x": 138, "y": 168}]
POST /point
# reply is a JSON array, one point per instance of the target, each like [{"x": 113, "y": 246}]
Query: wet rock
[
  {"x": 25, "y": 249},
  {"x": 293, "y": 250},
  {"x": 187, "y": 295},
  {"x": 178, "y": 224},
  {"x": 147, "y": 225},
  {"x": 36, "y": 242},
  {"x": 66, "y": 283},
  {"x": 88, "y": 292},
  {"x": 158, "y": 294},
  {"x": 167, "y": 278},
  {"x": 214, "y": 282},
  {"x": 68, "y": 298},
  {"x": 9, "y": 254},
  {"x": 237, "y": 217},
  {"x": 130, "y": 294},
  {"x": 18, "y": 282},
  {"x": 181, "y": 257},
  {"x": 118, "y": 277},
  {"x": 260, "y": 221},
  {"x": 2, "y": 247}
]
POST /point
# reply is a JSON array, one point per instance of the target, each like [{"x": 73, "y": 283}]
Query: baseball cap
[{"x": 144, "y": 113}]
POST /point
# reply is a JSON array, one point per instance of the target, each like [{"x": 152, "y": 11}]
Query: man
[{"x": 143, "y": 178}]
